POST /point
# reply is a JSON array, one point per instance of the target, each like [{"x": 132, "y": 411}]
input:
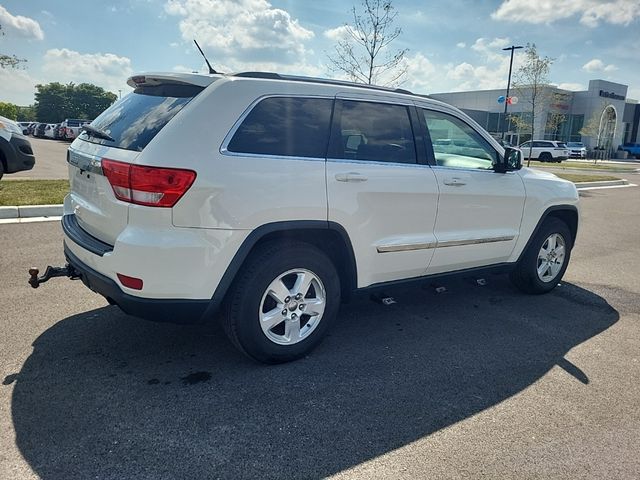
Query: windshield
[
  {"x": 133, "y": 121},
  {"x": 575, "y": 144}
]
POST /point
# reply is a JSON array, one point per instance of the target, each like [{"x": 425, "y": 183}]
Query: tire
[
  {"x": 1, "y": 169},
  {"x": 526, "y": 274},
  {"x": 258, "y": 290},
  {"x": 545, "y": 157}
]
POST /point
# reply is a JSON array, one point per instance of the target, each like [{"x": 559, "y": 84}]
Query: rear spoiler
[{"x": 151, "y": 79}]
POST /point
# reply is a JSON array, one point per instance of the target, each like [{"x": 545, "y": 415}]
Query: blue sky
[{"x": 453, "y": 44}]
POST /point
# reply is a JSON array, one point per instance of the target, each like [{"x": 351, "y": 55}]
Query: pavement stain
[{"x": 196, "y": 377}]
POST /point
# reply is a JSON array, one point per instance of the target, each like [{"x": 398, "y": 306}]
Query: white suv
[
  {"x": 274, "y": 197},
  {"x": 545, "y": 150}
]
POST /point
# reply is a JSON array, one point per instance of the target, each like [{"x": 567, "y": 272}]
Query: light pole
[{"x": 506, "y": 100}]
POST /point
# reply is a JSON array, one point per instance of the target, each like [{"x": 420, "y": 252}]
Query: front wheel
[
  {"x": 545, "y": 260},
  {"x": 283, "y": 301}
]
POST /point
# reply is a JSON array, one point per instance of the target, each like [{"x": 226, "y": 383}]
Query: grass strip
[
  {"x": 32, "y": 192},
  {"x": 578, "y": 177},
  {"x": 585, "y": 166}
]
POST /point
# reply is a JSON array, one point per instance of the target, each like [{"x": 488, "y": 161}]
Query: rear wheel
[
  {"x": 545, "y": 260},
  {"x": 1, "y": 170},
  {"x": 283, "y": 301},
  {"x": 545, "y": 157}
]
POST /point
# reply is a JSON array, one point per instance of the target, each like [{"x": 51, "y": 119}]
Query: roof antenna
[{"x": 211, "y": 70}]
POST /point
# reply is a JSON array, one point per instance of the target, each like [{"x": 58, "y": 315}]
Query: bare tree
[
  {"x": 9, "y": 60},
  {"x": 363, "y": 54},
  {"x": 532, "y": 83},
  {"x": 593, "y": 129}
]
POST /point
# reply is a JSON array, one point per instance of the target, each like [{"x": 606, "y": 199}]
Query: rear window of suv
[{"x": 133, "y": 121}]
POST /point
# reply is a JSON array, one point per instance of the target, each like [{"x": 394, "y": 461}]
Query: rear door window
[
  {"x": 285, "y": 126},
  {"x": 378, "y": 132},
  {"x": 133, "y": 121}
]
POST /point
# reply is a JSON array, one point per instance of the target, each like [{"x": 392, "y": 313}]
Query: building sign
[{"x": 611, "y": 95}]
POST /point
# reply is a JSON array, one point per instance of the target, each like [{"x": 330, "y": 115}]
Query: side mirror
[{"x": 512, "y": 160}]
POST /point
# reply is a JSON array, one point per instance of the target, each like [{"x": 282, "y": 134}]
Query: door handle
[
  {"x": 350, "y": 177},
  {"x": 454, "y": 182}
]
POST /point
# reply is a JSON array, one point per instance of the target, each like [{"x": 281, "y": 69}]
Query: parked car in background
[
  {"x": 632, "y": 148},
  {"x": 72, "y": 127},
  {"x": 545, "y": 150},
  {"x": 49, "y": 130},
  {"x": 25, "y": 127},
  {"x": 15, "y": 150},
  {"x": 57, "y": 131},
  {"x": 32, "y": 127},
  {"x": 577, "y": 150},
  {"x": 38, "y": 131}
]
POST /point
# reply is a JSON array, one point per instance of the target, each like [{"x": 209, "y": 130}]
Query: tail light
[{"x": 150, "y": 186}]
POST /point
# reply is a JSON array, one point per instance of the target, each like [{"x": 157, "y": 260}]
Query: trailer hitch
[{"x": 50, "y": 272}]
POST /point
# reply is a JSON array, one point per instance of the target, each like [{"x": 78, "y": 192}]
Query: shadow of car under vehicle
[{"x": 108, "y": 396}]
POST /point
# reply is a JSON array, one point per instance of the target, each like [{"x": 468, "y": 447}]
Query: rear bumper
[
  {"x": 158, "y": 310},
  {"x": 17, "y": 153}
]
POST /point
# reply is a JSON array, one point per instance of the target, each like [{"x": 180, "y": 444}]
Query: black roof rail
[{"x": 297, "y": 78}]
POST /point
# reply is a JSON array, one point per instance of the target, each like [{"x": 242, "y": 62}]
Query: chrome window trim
[
  {"x": 406, "y": 247},
  {"x": 227, "y": 139},
  {"x": 376, "y": 162}
]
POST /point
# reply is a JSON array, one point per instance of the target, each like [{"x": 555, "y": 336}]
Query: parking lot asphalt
[
  {"x": 51, "y": 160},
  {"x": 477, "y": 382}
]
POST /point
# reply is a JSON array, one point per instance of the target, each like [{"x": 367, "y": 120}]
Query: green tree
[
  {"x": 27, "y": 114},
  {"x": 52, "y": 102},
  {"x": 55, "y": 101},
  {"x": 8, "y": 110}
]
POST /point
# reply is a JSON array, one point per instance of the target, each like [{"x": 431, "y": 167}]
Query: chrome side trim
[
  {"x": 478, "y": 241},
  {"x": 406, "y": 247}
]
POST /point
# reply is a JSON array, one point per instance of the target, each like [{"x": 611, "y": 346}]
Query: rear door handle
[
  {"x": 350, "y": 177},
  {"x": 454, "y": 182}
]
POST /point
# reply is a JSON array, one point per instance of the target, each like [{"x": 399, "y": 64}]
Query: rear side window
[
  {"x": 377, "y": 132},
  {"x": 133, "y": 121},
  {"x": 285, "y": 126}
]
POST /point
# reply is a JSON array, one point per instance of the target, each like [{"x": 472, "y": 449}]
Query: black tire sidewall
[
  {"x": 528, "y": 267},
  {"x": 250, "y": 288}
]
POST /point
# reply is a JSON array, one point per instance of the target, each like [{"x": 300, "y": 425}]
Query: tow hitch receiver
[{"x": 50, "y": 272}]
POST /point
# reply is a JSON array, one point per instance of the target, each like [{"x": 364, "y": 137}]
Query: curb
[
  {"x": 30, "y": 211},
  {"x": 606, "y": 183}
]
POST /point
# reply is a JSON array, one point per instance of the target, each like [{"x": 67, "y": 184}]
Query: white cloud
[
  {"x": 337, "y": 33},
  {"x": 575, "y": 87},
  {"x": 18, "y": 86},
  {"x": 241, "y": 30},
  {"x": 461, "y": 45},
  {"x": 597, "y": 65},
  {"x": 23, "y": 26},
  {"x": 105, "y": 70},
  {"x": 592, "y": 12},
  {"x": 421, "y": 74}
]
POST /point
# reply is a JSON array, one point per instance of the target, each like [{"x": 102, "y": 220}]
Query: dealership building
[{"x": 603, "y": 113}]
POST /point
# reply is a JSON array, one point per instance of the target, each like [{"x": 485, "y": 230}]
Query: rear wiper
[{"x": 94, "y": 132}]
